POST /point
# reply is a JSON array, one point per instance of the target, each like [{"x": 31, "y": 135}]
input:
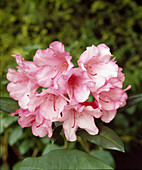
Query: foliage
[
  {"x": 106, "y": 139},
  {"x": 29, "y": 25},
  {"x": 64, "y": 159}
]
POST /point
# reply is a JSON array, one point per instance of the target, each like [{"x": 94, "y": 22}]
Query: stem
[
  {"x": 66, "y": 144},
  {"x": 5, "y": 149},
  {"x": 15, "y": 150},
  {"x": 84, "y": 144},
  {"x": 35, "y": 152}
]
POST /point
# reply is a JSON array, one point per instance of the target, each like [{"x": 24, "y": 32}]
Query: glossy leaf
[
  {"x": 106, "y": 138},
  {"x": 17, "y": 166},
  {"x": 50, "y": 147},
  {"x": 8, "y": 104},
  {"x": 104, "y": 155},
  {"x": 64, "y": 159},
  {"x": 24, "y": 146}
]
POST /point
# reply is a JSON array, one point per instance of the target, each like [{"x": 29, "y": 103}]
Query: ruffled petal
[
  {"x": 45, "y": 76},
  {"x": 104, "y": 53},
  {"x": 42, "y": 129},
  {"x": 107, "y": 116},
  {"x": 44, "y": 57},
  {"x": 17, "y": 90},
  {"x": 87, "y": 122}
]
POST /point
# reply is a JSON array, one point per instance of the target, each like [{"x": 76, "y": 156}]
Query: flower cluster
[{"x": 65, "y": 89}]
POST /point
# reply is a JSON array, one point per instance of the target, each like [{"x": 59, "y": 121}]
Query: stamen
[
  {"x": 59, "y": 70},
  {"x": 54, "y": 103},
  {"x": 88, "y": 68},
  {"x": 104, "y": 100},
  {"x": 94, "y": 74},
  {"x": 38, "y": 126}
]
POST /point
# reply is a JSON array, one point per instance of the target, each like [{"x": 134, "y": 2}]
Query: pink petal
[
  {"x": 107, "y": 116},
  {"x": 19, "y": 59},
  {"x": 24, "y": 100},
  {"x": 35, "y": 102},
  {"x": 42, "y": 57},
  {"x": 106, "y": 70},
  {"x": 87, "y": 122},
  {"x": 88, "y": 55},
  {"x": 99, "y": 80},
  {"x": 104, "y": 53},
  {"x": 15, "y": 76},
  {"x": 47, "y": 110},
  {"x": 25, "y": 117},
  {"x": 45, "y": 76},
  {"x": 70, "y": 126},
  {"x": 43, "y": 129},
  {"x": 57, "y": 46},
  {"x": 89, "y": 110},
  {"x": 16, "y": 90},
  {"x": 81, "y": 93}
]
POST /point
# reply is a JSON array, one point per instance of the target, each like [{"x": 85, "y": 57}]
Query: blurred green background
[{"x": 29, "y": 25}]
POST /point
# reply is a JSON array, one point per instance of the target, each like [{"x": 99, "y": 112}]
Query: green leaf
[
  {"x": 121, "y": 121},
  {"x": 106, "y": 138},
  {"x": 17, "y": 166},
  {"x": 5, "y": 122},
  {"x": 8, "y": 104},
  {"x": 132, "y": 100},
  {"x": 25, "y": 146},
  {"x": 50, "y": 147},
  {"x": 64, "y": 159},
  {"x": 104, "y": 155},
  {"x": 15, "y": 135}
]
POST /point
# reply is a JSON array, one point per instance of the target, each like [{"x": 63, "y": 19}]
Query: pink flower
[
  {"x": 96, "y": 61},
  {"x": 79, "y": 116},
  {"x": 40, "y": 126},
  {"x": 52, "y": 62},
  {"x": 50, "y": 104},
  {"x": 23, "y": 84},
  {"x": 42, "y": 129},
  {"x": 65, "y": 99},
  {"x": 110, "y": 97},
  {"x": 77, "y": 85},
  {"x": 26, "y": 118}
]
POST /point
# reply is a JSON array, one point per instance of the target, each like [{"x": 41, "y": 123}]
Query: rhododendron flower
[
  {"x": 77, "y": 85},
  {"x": 50, "y": 104},
  {"x": 40, "y": 126},
  {"x": 65, "y": 90},
  {"x": 96, "y": 61},
  {"x": 110, "y": 96},
  {"x": 23, "y": 84},
  {"x": 79, "y": 116},
  {"x": 53, "y": 62}
]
